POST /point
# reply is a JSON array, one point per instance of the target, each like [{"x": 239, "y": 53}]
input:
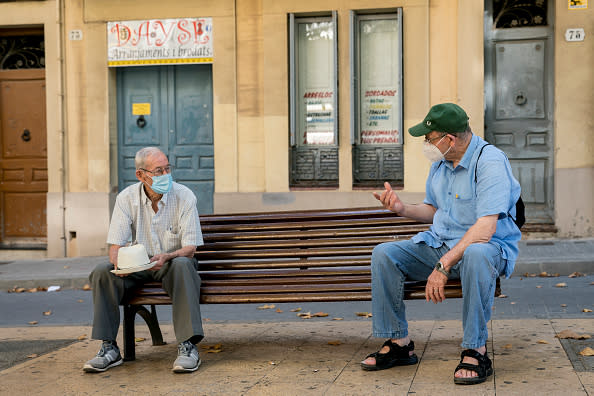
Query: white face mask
[{"x": 432, "y": 153}]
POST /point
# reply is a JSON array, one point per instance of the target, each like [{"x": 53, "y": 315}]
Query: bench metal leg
[{"x": 150, "y": 317}]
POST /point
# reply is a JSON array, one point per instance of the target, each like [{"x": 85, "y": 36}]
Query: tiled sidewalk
[{"x": 296, "y": 359}]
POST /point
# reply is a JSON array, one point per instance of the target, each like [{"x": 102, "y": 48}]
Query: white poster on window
[
  {"x": 315, "y": 108},
  {"x": 159, "y": 41},
  {"x": 380, "y": 73},
  {"x": 319, "y": 117}
]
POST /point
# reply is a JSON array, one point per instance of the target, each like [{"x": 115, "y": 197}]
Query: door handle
[
  {"x": 26, "y": 136},
  {"x": 141, "y": 122},
  {"x": 520, "y": 98}
]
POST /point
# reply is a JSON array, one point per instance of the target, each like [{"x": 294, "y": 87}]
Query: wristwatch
[{"x": 439, "y": 267}]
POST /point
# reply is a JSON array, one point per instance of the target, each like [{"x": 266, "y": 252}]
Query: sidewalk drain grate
[{"x": 573, "y": 348}]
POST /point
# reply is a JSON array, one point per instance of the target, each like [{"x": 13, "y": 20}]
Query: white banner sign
[{"x": 159, "y": 42}]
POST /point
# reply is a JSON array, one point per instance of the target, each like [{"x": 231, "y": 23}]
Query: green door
[{"x": 169, "y": 107}]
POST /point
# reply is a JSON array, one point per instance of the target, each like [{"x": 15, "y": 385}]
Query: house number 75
[{"x": 575, "y": 34}]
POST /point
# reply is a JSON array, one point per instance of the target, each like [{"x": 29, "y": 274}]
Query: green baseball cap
[{"x": 444, "y": 117}]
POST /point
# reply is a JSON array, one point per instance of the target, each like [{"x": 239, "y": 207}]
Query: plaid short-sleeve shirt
[{"x": 175, "y": 225}]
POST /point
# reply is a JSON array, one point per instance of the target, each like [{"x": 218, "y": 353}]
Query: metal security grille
[
  {"x": 372, "y": 165},
  {"x": 519, "y": 13},
  {"x": 22, "y": 52},
  {"x": 314, "y": 167}
]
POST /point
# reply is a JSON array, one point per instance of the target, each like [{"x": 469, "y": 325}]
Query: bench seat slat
[
  {"x": 297, "y": 215},
  {"x": 283, "y": 253},
  {"x": 307, "y": 224},
  {"x": 284, "y": 273},
  {"x": 311, "y": 234},
  {"x": 300, "y": 243},
  {"x": 269, "y": 264}
]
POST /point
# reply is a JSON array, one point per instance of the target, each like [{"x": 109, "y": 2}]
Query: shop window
[
  {"x": 519, "y": 13},
  {"x": 313, "y": 101},
  {"x": 376, "y": 104}
]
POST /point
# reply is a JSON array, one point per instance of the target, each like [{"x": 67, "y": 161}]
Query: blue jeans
[{"x": 394, "y": 262}]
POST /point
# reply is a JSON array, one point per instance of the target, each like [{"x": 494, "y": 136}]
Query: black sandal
[
  {"x": 396, "y": 356},
  {"x": 483, "y": 370}
]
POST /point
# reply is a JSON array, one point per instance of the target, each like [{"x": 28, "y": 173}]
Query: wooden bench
[{"x": 292, "y": 256}]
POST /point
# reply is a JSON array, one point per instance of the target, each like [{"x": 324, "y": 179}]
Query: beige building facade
[{"x": 442, "y": 60}]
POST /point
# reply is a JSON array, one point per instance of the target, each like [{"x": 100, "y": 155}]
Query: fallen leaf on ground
[
  {"x": 543, "y": 274},
  {"x": 80, "y": 301},
  {"x": 86, "y": 287},
  {"x": 271, "y": 363},
  {"x": 19, "y": 289},
  {"x": 586, "y": 310},
  {"x": 587, "y": 352},
  {"x": 82, "y": 337},
  {"x": 507, "y": 346},
  {"x": 33, "y": 322},
  {"x": 47, "y": 313},
  {"x": 502, "y": 296},
  {"x": 278, "y": 310},
  {"x": 336, "y": 318},
  {"x": 66, "y": 266},
  {"x": 541, "y": 342},
  {"x": 33, "y": 290},
  {"x": 562, "y": 284},
  {"x": 539, "y": 286},
  {"x": 365, "y": 314},
  {"x": 213, "y": 348},
  {"x": 572, "y": 334},
  {"x": 266, "y": 306},
  {"x": 139, "y": 339},
  {"x": 512, "y": 303},
  {"x": 563, "y": 305},
  {"x": 305, "y": 315},
  {"x": 575, "y": 275},
  {"x": 296, "y": 310},
  {"x": 320, "y": 314},
  {"x": 335, "y": 343},
  {"x": 33, "y": 355},
  {"x": 206, "y": 319}
]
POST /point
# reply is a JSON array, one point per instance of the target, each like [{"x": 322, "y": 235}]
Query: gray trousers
[{"x": 180, "y": 280}]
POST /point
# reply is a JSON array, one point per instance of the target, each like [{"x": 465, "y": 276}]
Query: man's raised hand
[{"x": 389, "y": 199}]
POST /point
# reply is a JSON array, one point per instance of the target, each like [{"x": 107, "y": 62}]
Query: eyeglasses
[
  {"x": 435, "y": 138},
  {"x": 159, "y": 171}
]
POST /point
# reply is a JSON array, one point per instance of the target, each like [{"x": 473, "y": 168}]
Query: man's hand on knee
[
  {"x": 435, "y": 287},
  {"x": 160, "y": 260}
]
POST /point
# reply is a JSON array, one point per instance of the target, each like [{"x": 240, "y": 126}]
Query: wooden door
[{"x": 23, "y": 157}]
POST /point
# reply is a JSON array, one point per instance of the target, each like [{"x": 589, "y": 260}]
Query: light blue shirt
[
  {"x": 460, "y": 201},
  {"x": 175, "y": 225}
]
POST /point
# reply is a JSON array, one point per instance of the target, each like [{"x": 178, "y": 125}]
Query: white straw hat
[{"x": 132, "y": 259}]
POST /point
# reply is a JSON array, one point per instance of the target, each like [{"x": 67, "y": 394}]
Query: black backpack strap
[
  {"x": 520, "y": 216},
  {"x": 477, "y": 159}
]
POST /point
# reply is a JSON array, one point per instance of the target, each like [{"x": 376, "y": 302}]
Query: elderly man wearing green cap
[{"x": 470, "y": 202}]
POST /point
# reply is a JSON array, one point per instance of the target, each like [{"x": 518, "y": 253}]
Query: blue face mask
[{"x": 162, "y": 184}]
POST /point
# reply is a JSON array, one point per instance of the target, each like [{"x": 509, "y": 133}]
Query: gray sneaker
[
  {"x": 107, "y": 357},
  {"x": 188, "y": 359}
]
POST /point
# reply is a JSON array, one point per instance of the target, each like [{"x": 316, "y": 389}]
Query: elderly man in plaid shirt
[{"x": 161, "y": 215}]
